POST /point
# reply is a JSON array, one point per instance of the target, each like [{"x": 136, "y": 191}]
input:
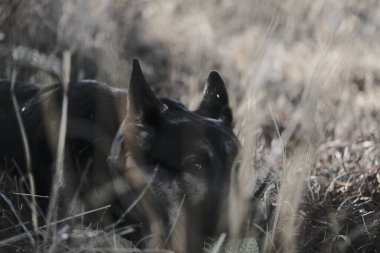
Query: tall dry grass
[{"x": 303, "y": 79}]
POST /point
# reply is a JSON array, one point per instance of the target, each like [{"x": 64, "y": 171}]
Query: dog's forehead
[
  {"x": 173, "y": 105},
  {"x": 194, "y": 125},
  {"x": 177, "y": 114}
]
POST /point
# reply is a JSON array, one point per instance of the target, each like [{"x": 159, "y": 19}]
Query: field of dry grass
[{"x": 304, "y": 83}]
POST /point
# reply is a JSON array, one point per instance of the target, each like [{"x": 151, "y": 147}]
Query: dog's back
[{"x": 94, "y": 115}]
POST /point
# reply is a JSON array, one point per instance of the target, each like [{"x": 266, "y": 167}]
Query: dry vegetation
[{"x": 304, "y": 81}]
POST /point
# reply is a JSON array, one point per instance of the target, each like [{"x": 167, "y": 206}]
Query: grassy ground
[{"x": 304, "y": 83}]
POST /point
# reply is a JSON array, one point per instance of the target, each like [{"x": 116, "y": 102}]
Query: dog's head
[{"x": 184, "y": 156}]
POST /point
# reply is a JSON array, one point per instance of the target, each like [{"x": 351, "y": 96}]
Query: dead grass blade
[{"x": 28, "y": 158}]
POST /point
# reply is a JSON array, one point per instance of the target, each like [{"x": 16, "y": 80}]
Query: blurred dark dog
[{"x": 165, "y": 170}]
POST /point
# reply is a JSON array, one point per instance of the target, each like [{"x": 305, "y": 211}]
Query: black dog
[{"x": 161, "y": 166}]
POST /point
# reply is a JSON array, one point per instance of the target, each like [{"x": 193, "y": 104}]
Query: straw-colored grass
[{"x": 304, "y": 83}]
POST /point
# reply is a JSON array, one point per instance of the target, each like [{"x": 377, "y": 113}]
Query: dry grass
[{"x": 304, "y": 83}]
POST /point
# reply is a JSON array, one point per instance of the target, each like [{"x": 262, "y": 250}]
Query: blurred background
[
  {"x": 263, "y": 49},
  {"x": 263, "y": 44},
  {"x": 303, "y": 79}
]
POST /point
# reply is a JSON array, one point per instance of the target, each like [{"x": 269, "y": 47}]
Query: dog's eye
[
  {"x": 193, "y": 163},
  {"x": 197, "y": 166}
]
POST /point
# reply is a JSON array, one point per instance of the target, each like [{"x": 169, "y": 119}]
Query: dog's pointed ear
[
  {"x": 214, "y": 103},
  {"x": 143, "y": 105}
]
